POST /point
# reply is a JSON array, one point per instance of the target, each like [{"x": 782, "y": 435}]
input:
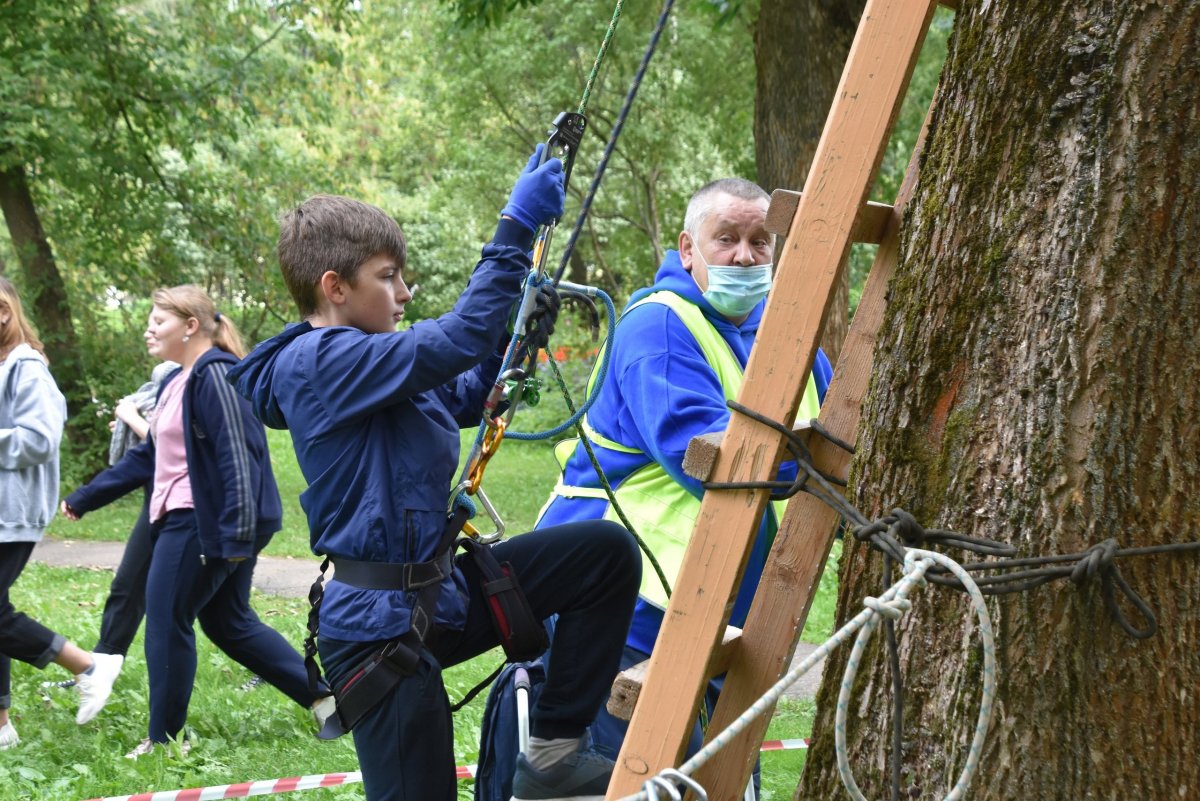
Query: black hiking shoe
[{"x": 583, "y": 776}]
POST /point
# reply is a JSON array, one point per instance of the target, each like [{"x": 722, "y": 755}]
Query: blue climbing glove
[{"x": 538, "y": 195}]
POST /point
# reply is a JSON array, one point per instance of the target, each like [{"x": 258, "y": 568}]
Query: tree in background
[
  {"x": 799, "y": 52},
  {"x": 1037, "y": 381},
  {"x": 112, "y": 119}
]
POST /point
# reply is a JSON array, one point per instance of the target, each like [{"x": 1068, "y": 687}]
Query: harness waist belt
[{"x": 391, "y": 575}]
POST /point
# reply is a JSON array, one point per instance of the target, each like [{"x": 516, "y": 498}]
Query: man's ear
[
  {"x": 685, "y": 250},
  {"x": 333, "y": 288}
]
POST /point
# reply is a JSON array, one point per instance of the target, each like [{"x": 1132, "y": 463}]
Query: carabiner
[
  {"x": 500, "y": 392},
  {"x": 487, "y": 539},
  {"x": 470, "y": 529},
  {"x": 491, "y": 443}
]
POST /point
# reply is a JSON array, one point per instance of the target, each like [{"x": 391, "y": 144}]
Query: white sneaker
[
  {"x": 141, "y": 749},
  {"x": 8, "y": 736},
  {"x": 95, "y": 687},
  {"x": 147, "y": 746}
]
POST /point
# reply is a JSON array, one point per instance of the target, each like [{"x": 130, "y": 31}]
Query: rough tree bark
[
  {"x": 799, "y": 52},
  {"x": 47, "y": 296},
  {"x": 1038, "y": 382}
]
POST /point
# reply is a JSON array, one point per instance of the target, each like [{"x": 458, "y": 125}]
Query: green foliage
[{"x": 162, "y": 147}]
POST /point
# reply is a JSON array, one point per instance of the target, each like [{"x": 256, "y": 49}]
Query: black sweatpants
[
  {"x": 126, "y": 603},
  {"x": 21, "y": 637},
  {"x": 587, "y": 573}
]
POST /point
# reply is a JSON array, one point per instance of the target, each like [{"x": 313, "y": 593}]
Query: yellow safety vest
[{"x": 661, "y": 510}]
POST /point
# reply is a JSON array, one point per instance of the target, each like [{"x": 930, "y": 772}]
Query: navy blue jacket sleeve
[
  {"x": 465, "y": 394},
  {"x": 226, "y": 419},
  {"x": 134, "y": 470},
  {"x": 357, "y": 374}
]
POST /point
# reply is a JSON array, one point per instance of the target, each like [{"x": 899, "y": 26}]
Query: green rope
[
  {"x": 608, "y": 35},
  {"x": 608, "y": 490}
]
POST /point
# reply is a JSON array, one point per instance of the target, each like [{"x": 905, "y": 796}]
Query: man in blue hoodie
[
  {"x": 374, "y": 415},
  {"x": 676, "y": 358}
]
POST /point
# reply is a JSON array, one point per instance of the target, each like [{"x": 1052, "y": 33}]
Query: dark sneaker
[{"x": 583, "y": 776}]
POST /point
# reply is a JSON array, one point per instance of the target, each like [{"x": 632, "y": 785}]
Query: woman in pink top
[{"x": 214, "y": 506}]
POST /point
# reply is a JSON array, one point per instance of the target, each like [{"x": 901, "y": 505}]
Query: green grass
[{"x": 236, "y": 735}]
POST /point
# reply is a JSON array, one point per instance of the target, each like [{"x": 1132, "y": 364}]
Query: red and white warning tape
[
  {"x": 269, "y": 786},
  {"x": 784, "y": 745},
  {"x": 245, "y": 789}
]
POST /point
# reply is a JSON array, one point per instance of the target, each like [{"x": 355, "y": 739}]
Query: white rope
[
  {"x": 912, "y": 559},
  {"x": 892, "y": 604}
]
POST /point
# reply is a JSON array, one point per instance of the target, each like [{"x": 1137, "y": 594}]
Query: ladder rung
[
  {"x": 869, "y": 225},
  {"x": 627, "y": 686},
  {"x": 701, "y": 455}
]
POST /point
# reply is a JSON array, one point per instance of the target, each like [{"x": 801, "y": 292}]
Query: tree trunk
[
  {"x": 800, "y": 49},
  {"x": 1037, "y": 381},
  {"x": 46, "y": 296}
]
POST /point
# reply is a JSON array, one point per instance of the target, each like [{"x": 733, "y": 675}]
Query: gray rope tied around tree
[{"x": 894, "y": 533}]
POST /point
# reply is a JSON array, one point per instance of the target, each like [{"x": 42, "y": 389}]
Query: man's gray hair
[{"x": 702, "y": 202}]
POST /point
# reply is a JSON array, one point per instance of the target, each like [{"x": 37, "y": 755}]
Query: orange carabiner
[{"x": 491, "y": 443}]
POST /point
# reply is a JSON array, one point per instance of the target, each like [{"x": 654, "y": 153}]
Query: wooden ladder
[{"x": 820, "y": 224}]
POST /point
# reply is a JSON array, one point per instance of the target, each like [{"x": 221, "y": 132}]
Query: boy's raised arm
[{"x": 358, "y": 373}]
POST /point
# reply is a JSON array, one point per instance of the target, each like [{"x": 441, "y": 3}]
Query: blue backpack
[{"x": 499, "y": 739}]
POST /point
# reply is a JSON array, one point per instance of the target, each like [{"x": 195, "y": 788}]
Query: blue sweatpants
[
  {"x": 217, "y": 593},
  {"x": 587, "y": 573}
]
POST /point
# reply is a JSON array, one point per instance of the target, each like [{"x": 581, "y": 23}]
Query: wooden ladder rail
[
  {"x": 764, "y": 651},
  {"x": 847, "y": 159}
]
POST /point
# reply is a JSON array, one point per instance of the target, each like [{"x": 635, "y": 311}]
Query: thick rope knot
[
  {"x": 875, "y": 527},
  {"x": 1100, "y": 560},
  {"x": 1096, "y": 560},
  {"x": 892, "y": 609},
  {"x": 905, "y": 527}
]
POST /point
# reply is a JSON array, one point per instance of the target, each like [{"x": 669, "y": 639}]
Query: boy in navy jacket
[{"x": 374, "y": 415}]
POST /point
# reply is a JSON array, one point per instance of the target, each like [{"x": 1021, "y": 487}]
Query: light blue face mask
[{"x": 735, "y": 291}]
